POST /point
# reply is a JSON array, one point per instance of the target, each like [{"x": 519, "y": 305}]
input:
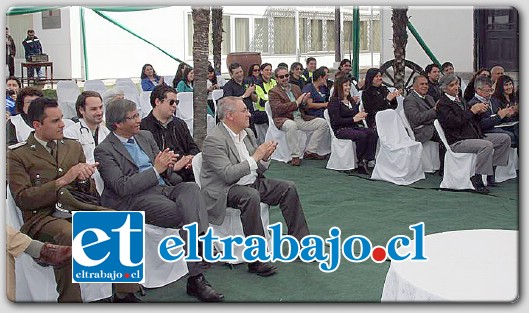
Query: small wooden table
[{"x": 36, "y": 64}]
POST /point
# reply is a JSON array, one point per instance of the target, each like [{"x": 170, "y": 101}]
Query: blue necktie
[{"x": 140, "y": 158}]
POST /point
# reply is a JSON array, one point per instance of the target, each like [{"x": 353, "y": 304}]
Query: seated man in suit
[
  {"x": 287, "y": 104},
  {"x": 419, "y": 108},
  {"x": 168, "y": 130},
  {"x": 460, "y": 123},
  {"x": 41, "y": 172},
  {"x": 490, "y": 118},
  {"x": 139, "y": 177},
  {"x": 232, "y": 176}
]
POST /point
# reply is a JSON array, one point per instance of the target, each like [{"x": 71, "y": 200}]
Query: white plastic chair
[
  {"x": 67, "y": 122},
  {"x": 120, "y": 82},
  {"x": 184, "y": 110},
  {"x": 399, "y": 158},
  {"x": 430, "y": 149},
  {"x": 35, "y": 283},
  {"x": 343, "y": 151},
  {"x": 283, "y": 152},
  {"x": 458, "y": 167},
  {"x": 215, "y": 96},
  {"x": 131, "y": 94},
  {"x": 232, "y": 225},
  {"x": 158, "y": 272},
  {"x": 145, "y": 103},
  {"x": 507, "y": 172},
  {"x": 96, "y": 85},
  {"x": 67, "y": 93},
  {"x": 168, "y": 80}
]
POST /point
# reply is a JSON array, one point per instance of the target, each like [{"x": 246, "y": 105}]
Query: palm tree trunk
[
  {"x": 200, "y": 66},
  {"x": 400, "y": 39},
  {"x": 216, "y": 26}
]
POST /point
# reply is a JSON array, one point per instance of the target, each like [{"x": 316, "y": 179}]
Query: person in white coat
[{"x": 89, "y": 130}]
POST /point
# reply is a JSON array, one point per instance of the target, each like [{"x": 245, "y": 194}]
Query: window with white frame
[
  {"x": 284, "y": 35},
  {"x": 226, "y": 36},
  {"x": 242, "y": 34}
]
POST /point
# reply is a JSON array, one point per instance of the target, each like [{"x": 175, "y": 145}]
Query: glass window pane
[
  {"x": 261, "y": 34},
  {"x": 363, "y": 36},
  {"x": 242, "y": 34},
  {"x": 330, "y": 35},
  {"x": 284, "y": 35},
  {"x": 303, "y": 35},
  {"x": 316, "y": 35}
]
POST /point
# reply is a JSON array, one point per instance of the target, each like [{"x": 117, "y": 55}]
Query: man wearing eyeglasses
[
  {"x": 140, "y": 177},
  {"x": 168, "y": 130},
  {"x": 286, "y": 100},
  {"x": 461, "y": 124}
]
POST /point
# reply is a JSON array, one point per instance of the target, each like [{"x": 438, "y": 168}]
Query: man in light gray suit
[
  {"x": 420, "y": 110},
  {"x": 232, "y": 176},
  {"x": 139, "y": 177}
]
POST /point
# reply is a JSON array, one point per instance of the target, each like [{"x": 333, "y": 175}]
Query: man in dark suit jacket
[
  {"x": 232, "y": 175},
  {"x": 287, "y": 104},
  {"x": 494, "y": 115},
  {"x": 139, "y": 177},
  {"x": 40, "y": 176},
  {"x": 463, "y": 133}
]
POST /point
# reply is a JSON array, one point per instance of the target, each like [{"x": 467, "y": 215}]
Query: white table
[{"x": 467, "y": 265}]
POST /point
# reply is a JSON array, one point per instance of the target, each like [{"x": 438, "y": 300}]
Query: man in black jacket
[
  {"x": 168, "y": 130},
  {"x": 461, "y": 124}
]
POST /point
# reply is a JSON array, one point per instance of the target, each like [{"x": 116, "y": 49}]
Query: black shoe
[
  {"x": 477, "y": 182},
  {"x": 362, "y": 170},
  {"x": 200, "y": 288},
  {"x": 491, "y": 181},
  {"x": 262, "y": 269},
  {"x": 129, "y": 298}
]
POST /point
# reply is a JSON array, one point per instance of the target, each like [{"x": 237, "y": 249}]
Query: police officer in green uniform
[{"x": 41, "y": 173}]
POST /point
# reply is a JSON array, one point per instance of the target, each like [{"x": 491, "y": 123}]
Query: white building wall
[
  {"x": 57, "y": 43},
  {"x": 447, "y": 31}
]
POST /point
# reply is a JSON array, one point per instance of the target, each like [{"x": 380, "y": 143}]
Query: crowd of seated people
[{"x": 162, "y": 148}]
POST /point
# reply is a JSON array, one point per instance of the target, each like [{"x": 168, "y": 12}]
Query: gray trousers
[
  {"x": 272, "y": 192},
  {"x": 491, "y": 151},
  {"x": 174, "y": 207}
]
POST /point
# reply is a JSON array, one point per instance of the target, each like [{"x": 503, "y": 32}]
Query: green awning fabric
[{"x": 28, "y": 10}]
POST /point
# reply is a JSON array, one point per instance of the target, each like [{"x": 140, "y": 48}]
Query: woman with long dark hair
[
  {"x": 505, "y": 97},
  {"x": 149, "y": 78},
  {"x": 254, "y": 75},
  {"x": 186, "y": 84},
  {"x": 347, "y": 123},
  {"x": 179, "y": 74},
  {"x": 377, "y": 97}
]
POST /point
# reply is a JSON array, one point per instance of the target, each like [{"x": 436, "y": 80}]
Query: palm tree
[
  {"x": 216, "y": 26},
  {"x": 200, "y": 65},
  {"x": 399, "y": 19}
]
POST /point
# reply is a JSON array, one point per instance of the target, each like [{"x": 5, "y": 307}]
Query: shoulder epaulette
[{"x": 16, "y": 145}]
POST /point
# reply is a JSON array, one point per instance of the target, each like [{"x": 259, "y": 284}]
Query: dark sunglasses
[
  {"x": 171, "y": 102},
  {"x": 283, "y": 76},
  {"x": 255, "y": 70}
]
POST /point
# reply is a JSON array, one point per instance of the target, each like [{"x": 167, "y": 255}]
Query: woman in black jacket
[
  {"x": 377, "y": 97},
  {"x": 347, "y": 123}
]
